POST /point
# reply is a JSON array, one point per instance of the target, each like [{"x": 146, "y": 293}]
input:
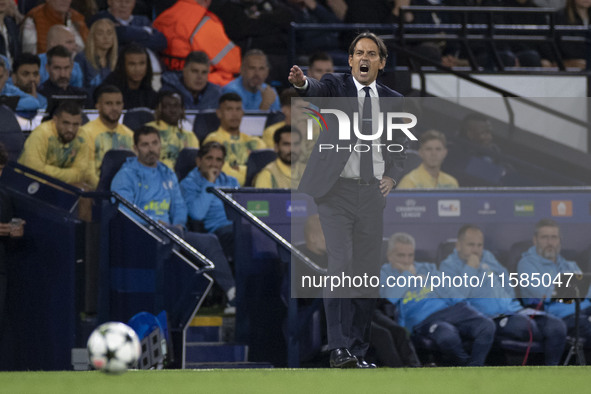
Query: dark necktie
[{"x": 366, "y": 159}]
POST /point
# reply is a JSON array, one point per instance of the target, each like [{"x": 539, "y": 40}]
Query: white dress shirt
[{"x": 352, "y": 168}]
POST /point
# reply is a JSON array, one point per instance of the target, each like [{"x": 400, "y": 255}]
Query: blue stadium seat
[
  {"x": 112, "y": 162},
  {"x": 11, "y": 134},
  {"x": 257, "y": 160},
  {"x": 275, "y": 117},
  {"x": 137, "y": 117},
  {"x": 444, "y": 249},
  {"x": 185, "y": 162},
  {"x": 205, "y": 123}
]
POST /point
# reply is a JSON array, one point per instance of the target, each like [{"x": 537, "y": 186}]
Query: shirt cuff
[{"x": 306, "y": 84}]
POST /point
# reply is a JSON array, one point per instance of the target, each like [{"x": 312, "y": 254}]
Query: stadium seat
[
  {"x": 112, "y": 162},
  {"x": 257, "y": 160},
  {"x": 185, "y": 162},
  {"x": 11, "y": 134},
  {"x": 205, "y": 123},
  {"x": 515, "y": 252},
  {"x": 444, "y": 249},
  {"x": 137, "y": 117},
  {"x": 275, "y": 117}
]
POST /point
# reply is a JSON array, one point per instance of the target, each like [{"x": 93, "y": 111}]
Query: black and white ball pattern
[{"x": 113, "y": 347}]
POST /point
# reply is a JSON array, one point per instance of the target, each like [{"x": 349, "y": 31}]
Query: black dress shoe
[
  {"x": 342, "y": 358},
  {"x": 361, "y": 363}
]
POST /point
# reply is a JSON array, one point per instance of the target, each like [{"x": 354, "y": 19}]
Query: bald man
[{"x": 61, "y": 35}]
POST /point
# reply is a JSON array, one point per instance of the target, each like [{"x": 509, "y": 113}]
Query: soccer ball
[{"x": 113, "y": 347}]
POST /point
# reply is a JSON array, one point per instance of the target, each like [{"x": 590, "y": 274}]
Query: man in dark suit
[{"x": 350, "y": 189}]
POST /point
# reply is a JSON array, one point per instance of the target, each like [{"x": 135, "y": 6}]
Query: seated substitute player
[
  {"x": 205, "y": 206},
  {"x": 59, "y": 147},
  {"x": 152, "y": 186},
  {"x": 439, "y": 314},
  {"x": 286, "y": 171},
  {"x": 497, "y": 301},
  {"x": 545, "y": 258},
  {"x": 105, "y": 132},
  {"x": 428, "y": 174},
  {"x": 169, "y": 115},
  {"x": 238, "y": 145}
]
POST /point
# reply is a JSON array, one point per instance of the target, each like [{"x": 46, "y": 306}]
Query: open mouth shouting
[{"x": 364, "y": 69}]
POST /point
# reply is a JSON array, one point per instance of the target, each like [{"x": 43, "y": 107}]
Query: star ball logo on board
[
  {"x": 448, "y": 208},
  {"x": 487, "y": 209},
  {"x": 411, "y": 209},
  {"x": 524, "y": 208},
  {"x": 344, "y": 131}
]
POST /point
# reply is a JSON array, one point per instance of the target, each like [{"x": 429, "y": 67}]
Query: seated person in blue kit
[
  {"x": 544, "y": 258},
  {"x": 153, "y": 187},
  {"x": 439, "y": 314},
  {"x": 498, "y": 301},
  {"x": 205, "y": 206}
]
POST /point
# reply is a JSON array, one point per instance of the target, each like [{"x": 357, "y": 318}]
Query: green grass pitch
[{"x": 504, "y": 380}]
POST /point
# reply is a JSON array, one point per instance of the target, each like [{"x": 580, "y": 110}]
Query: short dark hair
[
  {"x": 283, "y": 130},
  {"x": 3, "y": 155},
  {"x": 464, "y": 229},
  {"x": 69, "y": 106},
  {"x": 144, "y": 130},
  {"x": 169, "y": 93},
  {"x": 197, "y": 57},
  {"x": 58, "y": 51},
  {"x": 379, "y": 42},
  {"x": 206, "y": 148},
  {"x": 545, "y": 223},
  {"x": 25, "y": 58},
  {"x": 255, "y": 52},
  {"x": 286, "y": 96},
  {"x": 105, "y": 89},
  {"x": 229, "y": 97},
  {"x": 319, "y": 56}
]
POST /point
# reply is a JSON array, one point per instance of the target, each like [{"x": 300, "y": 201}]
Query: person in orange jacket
[{"x": 189, "y": 26}]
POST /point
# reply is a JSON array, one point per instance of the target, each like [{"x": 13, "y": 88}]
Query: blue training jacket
[
  {"x": 205, "y": 206},
  {"x": 416, "y": 303},
  {"x": 495, "y": 300},
  {"x": 155, "y": 190},
  {"x": 531, "y": 262}
]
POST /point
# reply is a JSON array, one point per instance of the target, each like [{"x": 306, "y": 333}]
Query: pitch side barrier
[
  {"x": 268, "y": 222},
  {"x": 263, "y": 260},
  {"x": 66, "y": 276}
]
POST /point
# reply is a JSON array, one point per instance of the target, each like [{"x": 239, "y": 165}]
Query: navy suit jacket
[{"x": 324, "y": 168}]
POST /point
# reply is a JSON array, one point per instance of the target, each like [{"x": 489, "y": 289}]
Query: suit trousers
[{"x": 351, "y": 215}]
